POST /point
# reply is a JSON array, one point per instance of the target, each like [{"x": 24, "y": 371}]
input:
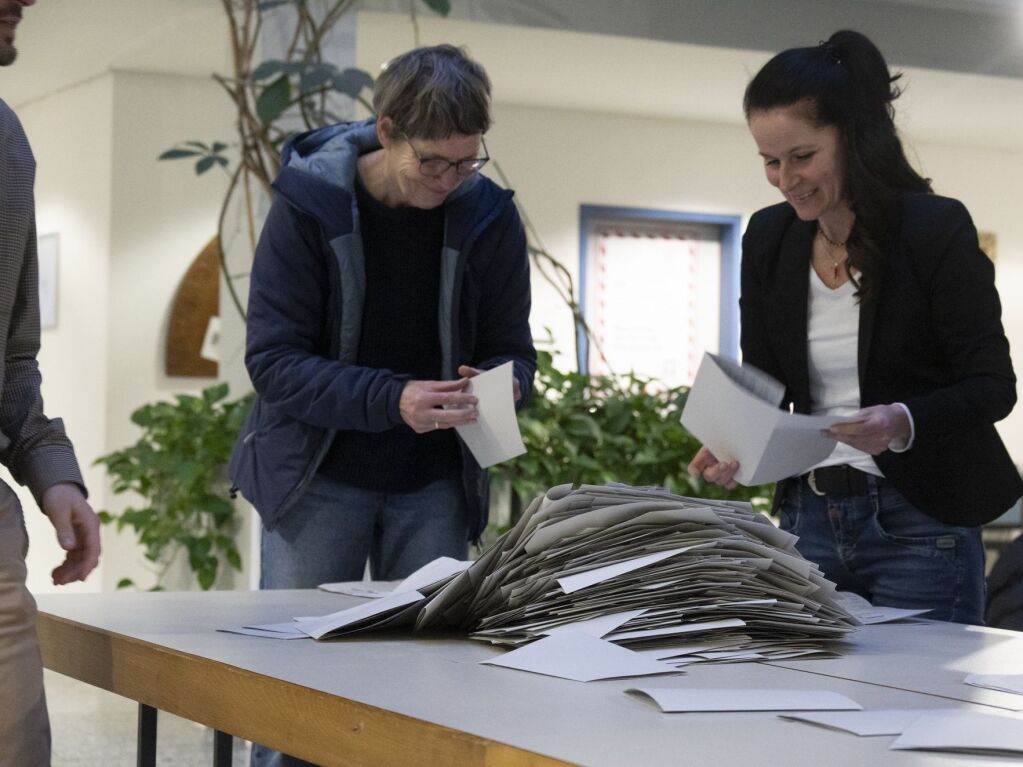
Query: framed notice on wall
[{"x": 49, "y": 247}]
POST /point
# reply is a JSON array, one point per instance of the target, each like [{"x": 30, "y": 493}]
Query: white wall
[{"x": 162, "y": 217}]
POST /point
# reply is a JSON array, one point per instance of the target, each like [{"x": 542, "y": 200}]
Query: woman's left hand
[
  {"x": 877, "y": 428},
  {"x": 467, "y": 372}
]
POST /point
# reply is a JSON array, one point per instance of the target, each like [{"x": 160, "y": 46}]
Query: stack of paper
[
  {"x": 675, "y": 580},
  {"x": 683, "y": 579}
]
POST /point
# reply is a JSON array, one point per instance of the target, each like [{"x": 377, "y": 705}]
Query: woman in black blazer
[{"x": 866, "y": 294}]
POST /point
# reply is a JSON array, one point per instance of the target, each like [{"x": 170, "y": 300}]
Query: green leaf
[
  {"x": 273, "y": 100},
  {"x": 177, "y": 154},
  {"x": 317, "y": 76},
  {"x": 351, "y": 82},
  {"x": 125, "y": 583},
  {"x": 105, "y": 517},
  {"x": 268, "y": 69},
  {"x": 441, "y": 7},
  {"x": 204, "y": 165}
]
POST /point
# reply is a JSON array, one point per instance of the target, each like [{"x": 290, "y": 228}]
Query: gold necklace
[{"x": 828, "y": 243}]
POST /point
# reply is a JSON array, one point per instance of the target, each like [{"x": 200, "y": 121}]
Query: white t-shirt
[{"x": 833, "y": 330}]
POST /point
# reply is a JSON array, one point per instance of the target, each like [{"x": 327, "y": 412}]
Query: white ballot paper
[
  {"x": 1001, "y": 682},
  {"x": 364, "y": 589},
  {"x": 963, "y": 731},
  {"x": 678, "y": 700},
  {"x": 863, "y": 723},
  {"x": 269, "y": 631},
  {"x": 869, "y": 614},
  {"x": 435, "y": 571},
  {"x": 495, "y": 436},
  {"x": 733, "y": 410},
  {"x": 580, "y": 657}
]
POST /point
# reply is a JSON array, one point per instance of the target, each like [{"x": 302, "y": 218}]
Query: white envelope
[{"x": 733, "y": 410}]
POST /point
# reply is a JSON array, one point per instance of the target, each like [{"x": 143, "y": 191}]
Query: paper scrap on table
[
  {"x": 320, "y": 626},
  {"x": 435, "y": 571},
  {"x": 733, "y": 410},
  {"x": 869, "y": 614},
  {"x": 963, "y": 731},
  {"x": 863, "y": 723},
  {"x": 495, "y": 436},
  {"x": 1001, "y": 682},
  {"x": 364, "y": 589},
  {"x": 677, "y": 700},
  {"x": 270, "y": 631},
  {"x": 579, "y": 657}
]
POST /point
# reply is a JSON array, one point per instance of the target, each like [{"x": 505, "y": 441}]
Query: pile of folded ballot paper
[{"x": 686, "y": 578}]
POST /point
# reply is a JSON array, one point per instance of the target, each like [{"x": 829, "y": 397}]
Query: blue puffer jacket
[{"x": 305, "y": 316}]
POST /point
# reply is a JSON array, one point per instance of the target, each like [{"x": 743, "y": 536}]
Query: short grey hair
[{"x": 434, "y": 92}]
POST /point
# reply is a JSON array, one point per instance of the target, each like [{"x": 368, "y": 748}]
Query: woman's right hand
[{"x": 711, "y": 469}]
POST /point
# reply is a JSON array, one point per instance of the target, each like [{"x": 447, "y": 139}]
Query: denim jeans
[
  {"x": 335, "y": 528},
  {"x": 883, "y": 548}
]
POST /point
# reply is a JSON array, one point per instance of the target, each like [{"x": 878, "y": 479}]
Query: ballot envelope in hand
[{"x": 733, "y": 410}]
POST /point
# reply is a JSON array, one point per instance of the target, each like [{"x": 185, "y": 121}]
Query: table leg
[
  {"x": 223, "y": 746},
  {"x": 147, "y": 736}
]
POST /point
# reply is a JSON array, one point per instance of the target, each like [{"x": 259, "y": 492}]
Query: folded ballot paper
[
  {"x": 495, "y": 436},
  {"x": 733, "y": 410},
  {"x": 669, "y": 579}
]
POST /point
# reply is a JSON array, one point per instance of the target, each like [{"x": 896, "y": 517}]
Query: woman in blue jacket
[
  {"x": 868, "y": 295},
  {"x": 388, "y": 271}
]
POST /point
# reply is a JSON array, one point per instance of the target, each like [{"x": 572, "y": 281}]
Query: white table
[{"x": 392, "y": 699}]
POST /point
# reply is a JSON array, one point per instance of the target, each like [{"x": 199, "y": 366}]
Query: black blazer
[{"x": 931, "y": 339}]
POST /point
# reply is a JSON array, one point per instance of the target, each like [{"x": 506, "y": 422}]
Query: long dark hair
[{"x": 846, "y": 83}]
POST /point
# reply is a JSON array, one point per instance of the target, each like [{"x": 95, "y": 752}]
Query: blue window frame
[{"x": 594, "y": 218}]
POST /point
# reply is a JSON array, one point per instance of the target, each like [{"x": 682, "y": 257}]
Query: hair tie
[{"x": 830, "y": 50}]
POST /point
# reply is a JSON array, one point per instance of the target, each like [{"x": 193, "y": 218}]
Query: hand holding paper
[
  {"x": 495, "y": 436},
  {"x": 733, "y": 411}
]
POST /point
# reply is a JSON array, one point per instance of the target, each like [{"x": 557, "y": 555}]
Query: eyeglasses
[{"x": 438, "y": 166}]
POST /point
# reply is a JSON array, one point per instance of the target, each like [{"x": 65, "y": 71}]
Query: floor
[{"x": 94, "y": 727}]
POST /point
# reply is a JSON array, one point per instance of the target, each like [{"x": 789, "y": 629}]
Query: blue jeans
[
  {"x": 335, "y": 528},
  {"x": 883, "y": 548}
]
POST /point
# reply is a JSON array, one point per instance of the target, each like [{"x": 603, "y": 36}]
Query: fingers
[
  {"x": 711, "y": 469},
  {"x": 468, "y": 372},
  {"x": 873, "y": 434},
  {"x": 77, "y": 529},
  {"x": 430, "y": 405}
]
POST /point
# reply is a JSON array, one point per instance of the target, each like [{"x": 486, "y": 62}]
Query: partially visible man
[{"x": 34, "y": 448}]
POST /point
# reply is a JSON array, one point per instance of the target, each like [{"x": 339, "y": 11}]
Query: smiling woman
[{"x": 868, "y": 296}]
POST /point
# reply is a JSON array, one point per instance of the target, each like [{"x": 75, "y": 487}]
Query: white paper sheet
[
  {"x": 364, "y": 589},
  {"x": 572, "y": 583},
  {"x": 269, "y": 631},
  {"x": 319, "y": 626},
  {"x": 733, "y": 411},
  {"x": 677, "y": 700},
  {"x": 868, "y": 614},
  {"x": 580, "y": 657},
  {"x": 433, "y": 572},
  {"x": 1001, "y": 682},
  {"x": 963, "y": 731},
  {"x": 596, "y": 627},
  {"x": 495, "y": 436},
  {"x": 863, "y": 723}
]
